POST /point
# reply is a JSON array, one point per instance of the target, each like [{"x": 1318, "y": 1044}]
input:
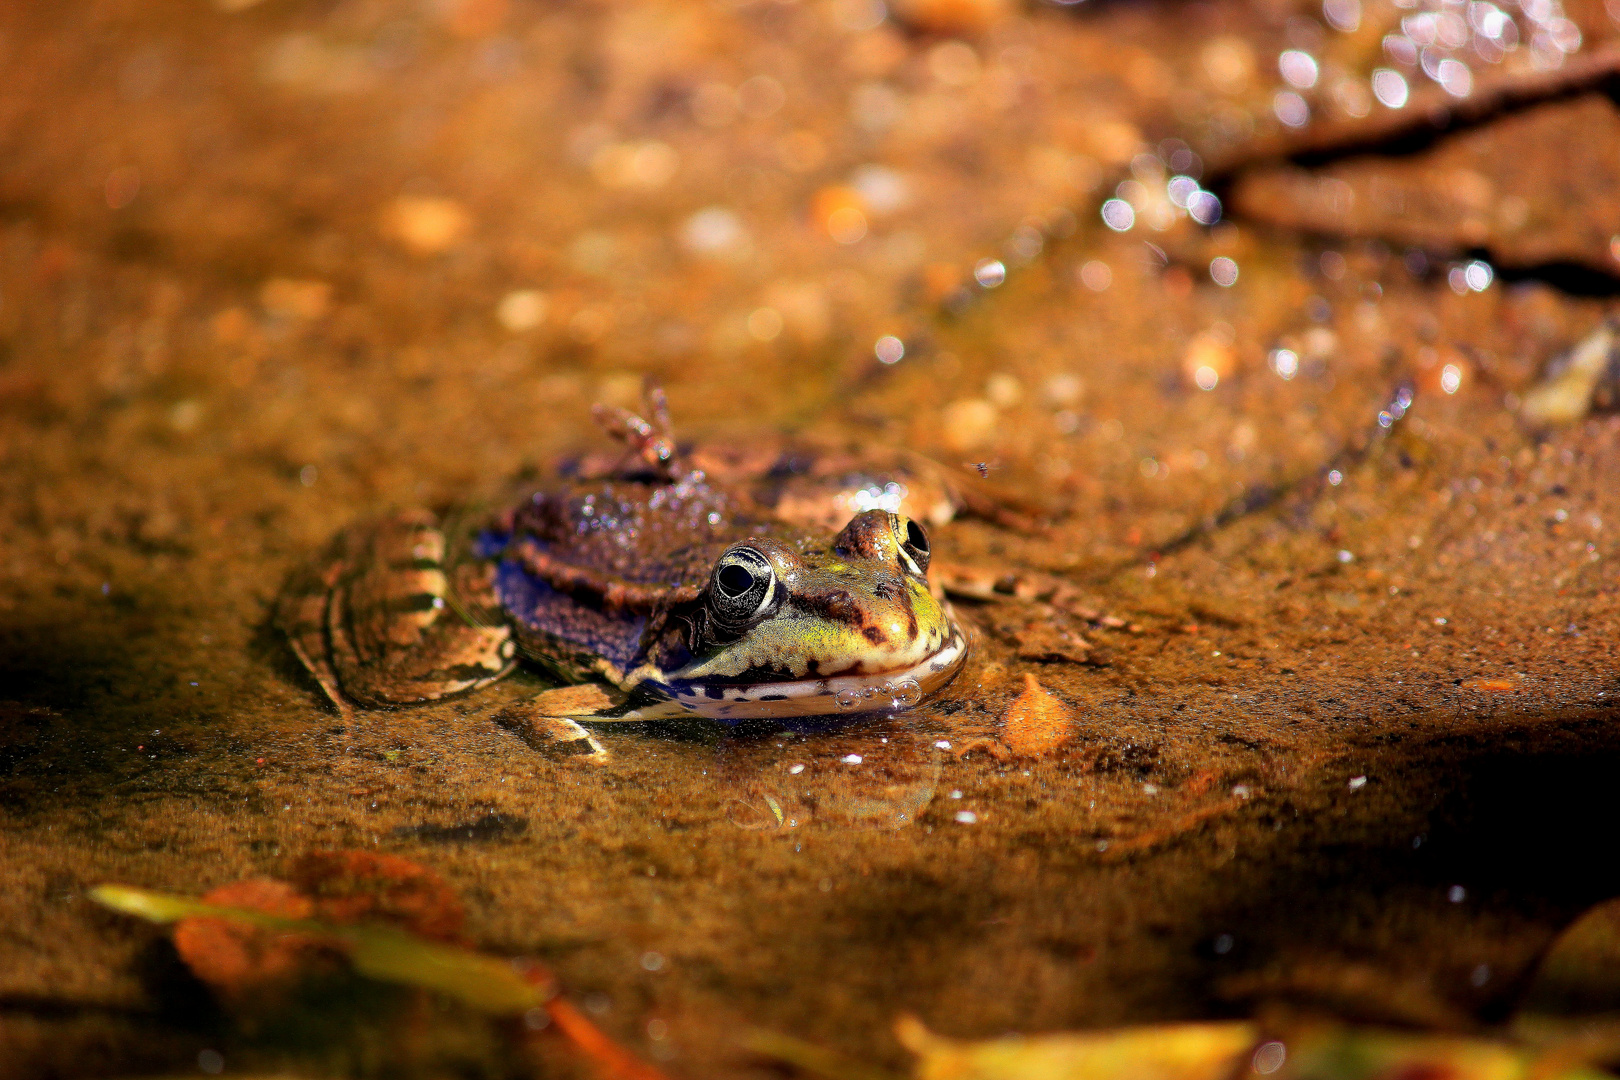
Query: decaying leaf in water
[
  {"x": 387, "y": 953},
  {"x": 1332, "y": 1052},
  {"x": 1209, "y": 1051},
  {"x": 1156, "y": 1052},
  {"x": 1579, "y": 975},
  {"x": 341, "y": 887},
  {"x": 348, "y": 886},
  {"x": 809, "y": 1058},
  {"x": 487, "y": 984},
  {"x": 239, "y": 960},
  {"x": 1038, "y": 723}
]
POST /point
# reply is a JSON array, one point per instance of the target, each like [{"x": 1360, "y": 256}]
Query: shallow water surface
[{"x": 1341, "y": 743}]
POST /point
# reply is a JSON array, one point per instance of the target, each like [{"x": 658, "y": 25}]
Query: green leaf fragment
[{"x": 479, "y": 981}]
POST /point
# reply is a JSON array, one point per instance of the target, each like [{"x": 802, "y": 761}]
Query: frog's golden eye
[
  {"x": 913, "y": 544},
  {"x": 743, "y": 586}
]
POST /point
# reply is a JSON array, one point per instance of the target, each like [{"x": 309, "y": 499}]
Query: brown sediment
[{"x": 214, "y": 355}]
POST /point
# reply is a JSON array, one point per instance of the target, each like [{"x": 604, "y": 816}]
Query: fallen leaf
[
  {"x": 344, "y": 887},
  {"x": 238, "y": 960},
  {"x": 1493, "y": 686},
  {"x": 1037, "y": 723},
  {"x": 1154, "y": 1052},
  {"x": 1358, "y": 1053},
  {"x": 487, "y": 984},
  {"x": 484, "y": 983},
  {"x": 350, "y": 886}
]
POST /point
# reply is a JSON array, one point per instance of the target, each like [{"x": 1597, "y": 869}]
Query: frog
[{"x": 651, "y": 590}]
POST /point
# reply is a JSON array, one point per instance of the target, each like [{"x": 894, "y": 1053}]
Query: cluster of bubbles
[
  {"x": 1474, "y": 276},
  {"x": 1163, "y": 188},
  {"x": 1397, "y": 407},
  {"x": 902, "y": 694},
  {"x": 890, "y": 496},
  {"x": 1439, "y": 40}
]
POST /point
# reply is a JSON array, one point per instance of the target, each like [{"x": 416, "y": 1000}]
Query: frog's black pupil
[
  {"x": 735, "y": 580},
  {"x": 916, "y": 537}
]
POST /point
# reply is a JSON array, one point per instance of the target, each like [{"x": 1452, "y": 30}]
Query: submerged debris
[
  {"x": 1341, "y": 1052},
  {"x": 246, "y": 965},
  {"x": 1207, "y": 1051},
  {"x": 1158, "y": 1052},
  {"x": 387, "y": 953},
  {"x": 1585, "y": 378},
  {"x": 1037, "y": 724}
]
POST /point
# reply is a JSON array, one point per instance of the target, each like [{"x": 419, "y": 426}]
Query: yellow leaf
[{"x": 1154, "y": 1052}]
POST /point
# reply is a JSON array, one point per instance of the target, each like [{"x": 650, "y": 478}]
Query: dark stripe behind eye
[
  {"x": 416, "y": 564},
  {"x": 416, "y": 602}
]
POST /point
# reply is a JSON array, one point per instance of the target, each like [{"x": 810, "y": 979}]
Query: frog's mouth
[{"x": 831, "y": 695}]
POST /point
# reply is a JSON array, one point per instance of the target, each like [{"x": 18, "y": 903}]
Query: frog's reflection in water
[{"x": 870, "y": 777}]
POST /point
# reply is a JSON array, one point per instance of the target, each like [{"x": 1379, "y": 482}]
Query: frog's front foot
[
  {"x": 546, "y": 722},
  {"x": 380, "y": 621}
]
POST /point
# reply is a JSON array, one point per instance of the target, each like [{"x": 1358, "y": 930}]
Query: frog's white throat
[{"x": 836, "y": 695}]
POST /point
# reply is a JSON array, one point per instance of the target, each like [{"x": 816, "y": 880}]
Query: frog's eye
[
  {"x": 743, "y": 586},
  {"x": 913, "y": 545}
]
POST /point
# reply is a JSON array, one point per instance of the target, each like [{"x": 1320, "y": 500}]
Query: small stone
[
  {"x": 1044, "y": 642},
  {"x": 1207, "y": 354},
  {"x": 522, "y": 309},
  {"x": 294, "y": 298},
  {"x": 968, "y": 424},
  {"x": 426, "y": 225},
  {"x": 1578, "y": 380},
  {"x": 953, "y": 16}
]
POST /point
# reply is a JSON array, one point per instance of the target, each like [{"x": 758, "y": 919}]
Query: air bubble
[
  {"x": 1291, "y": 109},
  {"x": 1298, "y": 69},
  {"x": 1118, "y": 215},
  {"x": 1204, "y": 207},
  {"x": 905, "y": 693},
  {"x": 1389, "y": 88},
  {"x": 989, "y": 273},
  {"x": 1180, "y": 189}
]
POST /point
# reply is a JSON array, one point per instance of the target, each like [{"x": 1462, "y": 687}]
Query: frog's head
[{"x": 798, "y": 630}]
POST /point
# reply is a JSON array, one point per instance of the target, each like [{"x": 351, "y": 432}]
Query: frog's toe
[
  {"x": 554, "y": 736},
  {"x": 301, "y": 615}
]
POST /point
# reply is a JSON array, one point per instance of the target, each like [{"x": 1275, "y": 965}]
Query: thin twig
[{"x": 1429, "y": 108}]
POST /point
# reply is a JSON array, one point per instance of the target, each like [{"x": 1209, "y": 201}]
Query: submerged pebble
[{"x": 1587, "y": 376}]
